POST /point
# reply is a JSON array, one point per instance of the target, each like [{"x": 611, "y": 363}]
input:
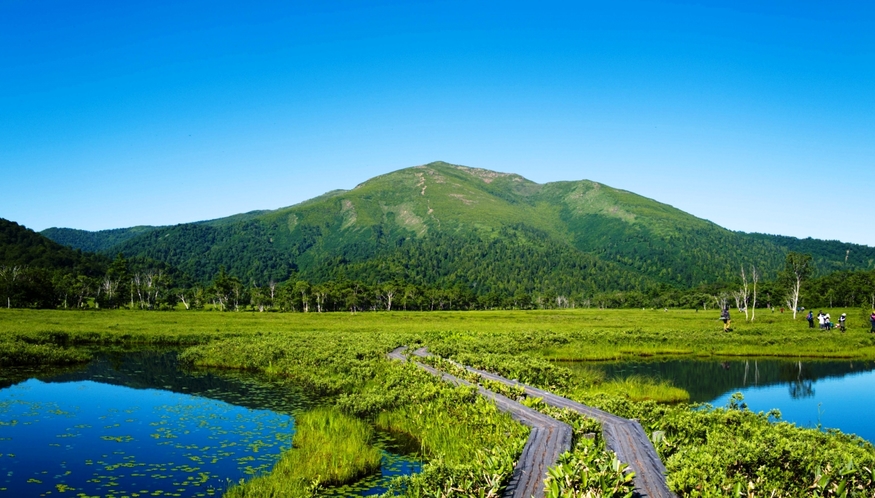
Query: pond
[
  {"x": 829, "y": 394},
  {"x": 135, "y": 424}
]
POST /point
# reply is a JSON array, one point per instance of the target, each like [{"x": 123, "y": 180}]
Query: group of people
[
  {"x": 826, "y": 322},
  {"x": 823, "y": 319}
]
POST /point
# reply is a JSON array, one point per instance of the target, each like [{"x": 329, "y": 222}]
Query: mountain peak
[{"x": 443, "y": 222}]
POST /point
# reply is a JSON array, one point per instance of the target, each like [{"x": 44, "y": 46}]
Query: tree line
[{"x": 148, "y": 285}]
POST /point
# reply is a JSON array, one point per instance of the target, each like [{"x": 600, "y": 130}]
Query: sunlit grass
[
  {"x": 638, "y": 388},
  {"x": 342, "y": 356},
  {"x": 330, "y": 449}
]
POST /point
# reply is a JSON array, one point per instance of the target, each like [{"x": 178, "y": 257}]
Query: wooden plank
[
  {"x": 548, "y": 438},
  {"x": 624, "y": 437}
]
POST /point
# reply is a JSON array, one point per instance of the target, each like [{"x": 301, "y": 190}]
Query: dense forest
[{"x": 36, "y": 272}]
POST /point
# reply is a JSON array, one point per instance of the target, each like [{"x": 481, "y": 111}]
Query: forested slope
[{"x": 484, "y": 231}]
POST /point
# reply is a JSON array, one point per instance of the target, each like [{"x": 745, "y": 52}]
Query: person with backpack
[
  {"x": 872, "y": 321},
  {"x": 842, "y": 321},
  {"x": 724, "y": 315},
  {"x": 810, "y": 319}
]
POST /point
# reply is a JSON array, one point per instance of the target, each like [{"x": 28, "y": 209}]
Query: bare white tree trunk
[
  {"x": 793, "y": 298},
  {"x": 137, "y": 284},
  {"x": 722, "y": 300},
  {"x": 755, "y": 276},
  {"x": 181, "y": 297},
  {"x": 738, "y": 296},
  {"x": 9, "y": 274},
  {"x": 271, "y": 286},
  {"x": 320, "y": 300},
  {"x": 389, "y": 295},
  {"x": 745, "y": 292}
]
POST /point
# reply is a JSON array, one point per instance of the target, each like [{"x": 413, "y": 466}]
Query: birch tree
[
  {"x": 797, "y": 268},
  {"x": 9, "y": 274},
  {"x": 755, "y": 277},
  {"x": 271, "y": 292},
  {"x": 722, "y": 300},
  {"x": 303, "y": 288},
  {"x": 389, "y": 291}
]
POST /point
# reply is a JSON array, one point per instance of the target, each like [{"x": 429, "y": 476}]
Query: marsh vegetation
[{"x": 464, "y": 440}]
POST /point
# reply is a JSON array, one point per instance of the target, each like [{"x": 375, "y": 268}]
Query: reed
[{"x": 330, "y": 448}]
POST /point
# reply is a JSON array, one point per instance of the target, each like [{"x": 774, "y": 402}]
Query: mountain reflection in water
[
  {"x": 830, "y": 394},
  {"x": 707, "y": 380}
]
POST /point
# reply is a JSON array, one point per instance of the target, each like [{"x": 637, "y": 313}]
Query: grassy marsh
[
  {"x": 342, "y": 356},
  {"x": 330, "y": 448}
]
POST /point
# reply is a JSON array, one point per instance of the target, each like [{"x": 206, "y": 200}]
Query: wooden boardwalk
[
  {"x": 624, "y": 437},
  {"x": 548, "y": 438}
]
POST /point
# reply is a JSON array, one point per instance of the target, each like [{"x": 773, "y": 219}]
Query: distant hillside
[
  {"x": 99, "y": 241},
  {"x": 20, "y": 246},
  {"x": 37, "y": 272},
  {"x": 448, "y": 225}
]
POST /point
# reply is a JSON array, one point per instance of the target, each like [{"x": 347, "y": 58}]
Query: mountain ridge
[{"x": 456, "y": 219}]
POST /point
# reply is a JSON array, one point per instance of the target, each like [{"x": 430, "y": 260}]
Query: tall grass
[
  {"x": 470, "y": 444},
  {"x": 559, "y": 334},
  {"x": 638, "y": 388},
  {"x": 18, "y": 352},
  {"x": 330, "y": 449}
]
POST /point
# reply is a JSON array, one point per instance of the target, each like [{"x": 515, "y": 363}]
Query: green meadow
[{"x": 469, "y": 447}]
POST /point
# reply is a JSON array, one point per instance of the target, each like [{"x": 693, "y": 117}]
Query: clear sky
[{"x": 759, "y": 116}]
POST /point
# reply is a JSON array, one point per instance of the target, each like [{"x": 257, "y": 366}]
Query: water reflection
[
  {"x": 706, "y": 380},
  {"x": 137, "y": 424},
  {"x": 829, "y": 394},
  {"x": 92, "y": 438}
]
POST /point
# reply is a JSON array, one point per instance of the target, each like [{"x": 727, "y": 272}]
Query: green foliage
[
  {"x": 588, "y": 473},
  {"x": 17, "y": 352},
  {"x": 330, "y": 449},
  {"x": 484, "y": 476},
  {"x": 482, "y": 232},
  {"x": 99, "y": 241},
  {"x": 471, "y": 446}
]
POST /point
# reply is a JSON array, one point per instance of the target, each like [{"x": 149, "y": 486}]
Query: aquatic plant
[
  {"x": 330, "y": 448},
  {"x": 588, "y": 473}
]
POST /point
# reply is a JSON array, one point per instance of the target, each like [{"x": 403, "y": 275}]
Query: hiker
[
  {"x": 872, "y": 321},
  {"x": 820, "y": 320},
  {"x": 842, "y": 321},
  {"x": 810, "y": 319},
  {"x": 724, "y": 315},
  {"x": 827, "y": 321}
]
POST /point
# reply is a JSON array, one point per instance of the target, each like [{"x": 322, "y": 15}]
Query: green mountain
[
  {"x": 22, "y": 247},
  {"x": 33, "y": 268},
  {"x": 100, "y": 241},
  {"x": 480, "y": 230}
]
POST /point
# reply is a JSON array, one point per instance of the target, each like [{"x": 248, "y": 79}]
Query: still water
[
  {"x": 136, "y": 424},
  {"x": 832, "y": 394}
]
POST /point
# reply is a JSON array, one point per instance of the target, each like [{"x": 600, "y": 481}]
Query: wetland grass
[
  {"x": 329, "y": 449},
  {"x": 640, "y": 388},
  {"x": 342, "y": 356},
  {"x": 587, "y": 334},
  {"x": 16, "y": 352}
]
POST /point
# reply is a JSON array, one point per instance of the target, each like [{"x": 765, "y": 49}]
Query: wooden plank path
[
  {"x": 624, "y": 437},
  {"x": 548, "y": 438}
]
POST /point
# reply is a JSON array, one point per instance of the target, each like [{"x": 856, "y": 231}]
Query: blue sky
[{"x": 759, "y": 116}]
